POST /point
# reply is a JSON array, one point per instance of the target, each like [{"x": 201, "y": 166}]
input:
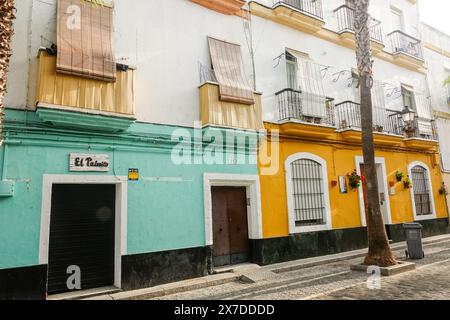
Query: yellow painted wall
[
  {"x": 345, "y": 208},
  {"x": 446, "y": 177}
]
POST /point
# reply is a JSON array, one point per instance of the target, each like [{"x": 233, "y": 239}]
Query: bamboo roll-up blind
[{"x": 85, "y": 39}]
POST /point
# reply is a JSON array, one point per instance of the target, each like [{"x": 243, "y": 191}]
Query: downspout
[{"x": 5, "y": 156}]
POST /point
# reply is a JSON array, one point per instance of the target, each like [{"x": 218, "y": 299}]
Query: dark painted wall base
[
  {"x": 306, "y": 245},
  {"x": 151, "y": 269},
  {"x": 314, "y": 244},
  {"x": 27, "y": 283},
  {"x": 431, "y": 228}
]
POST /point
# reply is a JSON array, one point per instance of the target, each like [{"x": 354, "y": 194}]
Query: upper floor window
[
  {"x": 303, "y": 97},
  {"x": 229, "y": 71},
  {"x": 291, "y": 71},
  {"x": 397, "y": 19},
  {"x": 307, "y": 192},
  {"x": 408, "y": 97}
]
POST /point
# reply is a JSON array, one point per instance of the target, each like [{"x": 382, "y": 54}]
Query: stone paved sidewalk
[{"x": 335, "y": 281}]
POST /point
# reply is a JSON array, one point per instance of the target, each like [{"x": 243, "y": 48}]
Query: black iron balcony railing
[
  {"x": 403, "y": 43},
  {"x": 311, "y": 7},
  {"x": 448, "y": 94},
  {"x": 345, "y": 16},
  {"x": 348, "y": 116},
  {"x": 293, "y": 105}
]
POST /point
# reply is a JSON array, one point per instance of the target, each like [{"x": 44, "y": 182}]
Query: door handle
[{"x": 220, "y": 230}]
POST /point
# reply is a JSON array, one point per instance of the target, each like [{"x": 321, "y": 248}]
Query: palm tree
[
  {"x": 7, "y": 16},
  {"x": 447, "y": 82},
  {"x": 380, "y": 253}
]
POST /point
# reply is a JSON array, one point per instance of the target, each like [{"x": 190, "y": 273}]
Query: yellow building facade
[{"x": 340, "y": 152}]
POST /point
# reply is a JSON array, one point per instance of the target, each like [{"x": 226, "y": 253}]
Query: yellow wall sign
[{"x": 133, "y": 174}]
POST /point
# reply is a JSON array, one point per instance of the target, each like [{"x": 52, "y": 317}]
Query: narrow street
[{"x": 336, "y": 281}]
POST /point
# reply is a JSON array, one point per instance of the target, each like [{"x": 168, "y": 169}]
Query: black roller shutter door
[{"x": 82, "y": 234}]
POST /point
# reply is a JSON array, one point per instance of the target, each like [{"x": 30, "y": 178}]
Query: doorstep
[
  {"x": 171, "y": 288},
  {"x": 83, "y": 294}
]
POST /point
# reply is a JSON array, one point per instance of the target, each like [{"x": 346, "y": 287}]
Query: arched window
[
  {"x": 422, "y": 196},
  {"x": 308, "y": 197},
  {"x": 421, "y": 192}
]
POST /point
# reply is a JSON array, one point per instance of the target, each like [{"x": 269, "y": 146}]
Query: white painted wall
[
  {"x": 271, "y": 39},
  {"x": 438, "y": 67},
  {"x": 438, "y": 70},
  {"x": 165, "y": 41}
]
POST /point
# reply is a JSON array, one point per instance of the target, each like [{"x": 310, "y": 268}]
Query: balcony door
[{"x": 397, "y": 20}]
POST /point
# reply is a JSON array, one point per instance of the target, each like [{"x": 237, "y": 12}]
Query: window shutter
[
  {"x": 85, "y": 39},
  {"x": 309, "y": 81},
  {"x": 229, "y": 70}
]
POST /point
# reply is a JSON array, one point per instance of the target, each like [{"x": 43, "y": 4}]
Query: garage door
[{"x": 81, "y": 236}]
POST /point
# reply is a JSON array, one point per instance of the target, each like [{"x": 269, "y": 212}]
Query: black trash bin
[{"x": 413, "y": 233}]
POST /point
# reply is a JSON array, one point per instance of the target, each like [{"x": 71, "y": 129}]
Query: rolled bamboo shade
[
  {"x": 229, "y": 70},
  {"x": 85, "y": 39}
]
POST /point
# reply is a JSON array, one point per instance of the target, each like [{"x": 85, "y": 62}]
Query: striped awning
[
  {"x": 85, "y": 39},
  {"x": 229, "y": 70}
]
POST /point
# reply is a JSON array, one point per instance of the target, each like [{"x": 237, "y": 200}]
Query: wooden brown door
[{"x": 230, "y": 225}]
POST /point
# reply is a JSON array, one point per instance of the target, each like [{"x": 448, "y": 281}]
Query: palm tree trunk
[
  {"x": 380, "y": 253},
  {"x": 7, "y": 16}
]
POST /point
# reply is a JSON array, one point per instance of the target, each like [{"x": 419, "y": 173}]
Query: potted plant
[
  {"x": 443, "y": 190},
  {"x": 399, "y": 175},
  {"x": 354, "y": 180},
  {"x": 407, "y": 183},
  {"x": 379, "y": 128}
]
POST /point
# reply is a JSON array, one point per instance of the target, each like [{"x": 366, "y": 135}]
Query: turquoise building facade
[{"x": 160, "y": 217}]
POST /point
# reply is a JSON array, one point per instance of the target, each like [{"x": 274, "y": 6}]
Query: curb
[
  {"x": 171, "y": 288},
  {"x": 227, "y": 277},
  {"x": 318, "y": 261}
]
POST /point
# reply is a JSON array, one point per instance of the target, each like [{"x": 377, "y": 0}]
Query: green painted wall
[{"x": 162, "y": 215}]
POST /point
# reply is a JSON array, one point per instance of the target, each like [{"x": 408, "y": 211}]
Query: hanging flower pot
[
  {"x": 407, "y": 183},
  {"x": 443, "y": 190},
  {"x": 354, "y": 180},
  {"x": 399, "y": 175}
]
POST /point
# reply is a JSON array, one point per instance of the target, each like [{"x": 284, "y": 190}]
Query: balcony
[
  {"x": 407, "y": 49},
  {"x": 213, "y": 111},
  {"x": 316, "y": 113},
  {"x": 389, "y": 127},
  {"x": 309, "y": 7},
  {"x": 223, "y": 6},
  {"x": 74, "y": 93},
  {"x": 73, "y": 102},
  {"x": 303, "y": 15},
  {"x": 345, "y": 17}
]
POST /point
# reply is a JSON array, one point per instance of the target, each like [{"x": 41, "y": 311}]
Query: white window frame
[
  {"x": 290, "y": 199},
  {"x": 401, "y": 15},
  {"x": 430, "y": 186},
  {"x": 362, "y": 209},
  {"x": 121, "y": 219},
  {"x": 251, "y": 183}
]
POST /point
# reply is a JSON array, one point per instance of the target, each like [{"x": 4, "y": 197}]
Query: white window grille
[
  {"x": 422, "y": 194},
  {"x": 308, "y": 193}
]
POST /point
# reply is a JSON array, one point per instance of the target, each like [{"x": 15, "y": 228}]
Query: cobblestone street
[{"x": 431, "y": 280}]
